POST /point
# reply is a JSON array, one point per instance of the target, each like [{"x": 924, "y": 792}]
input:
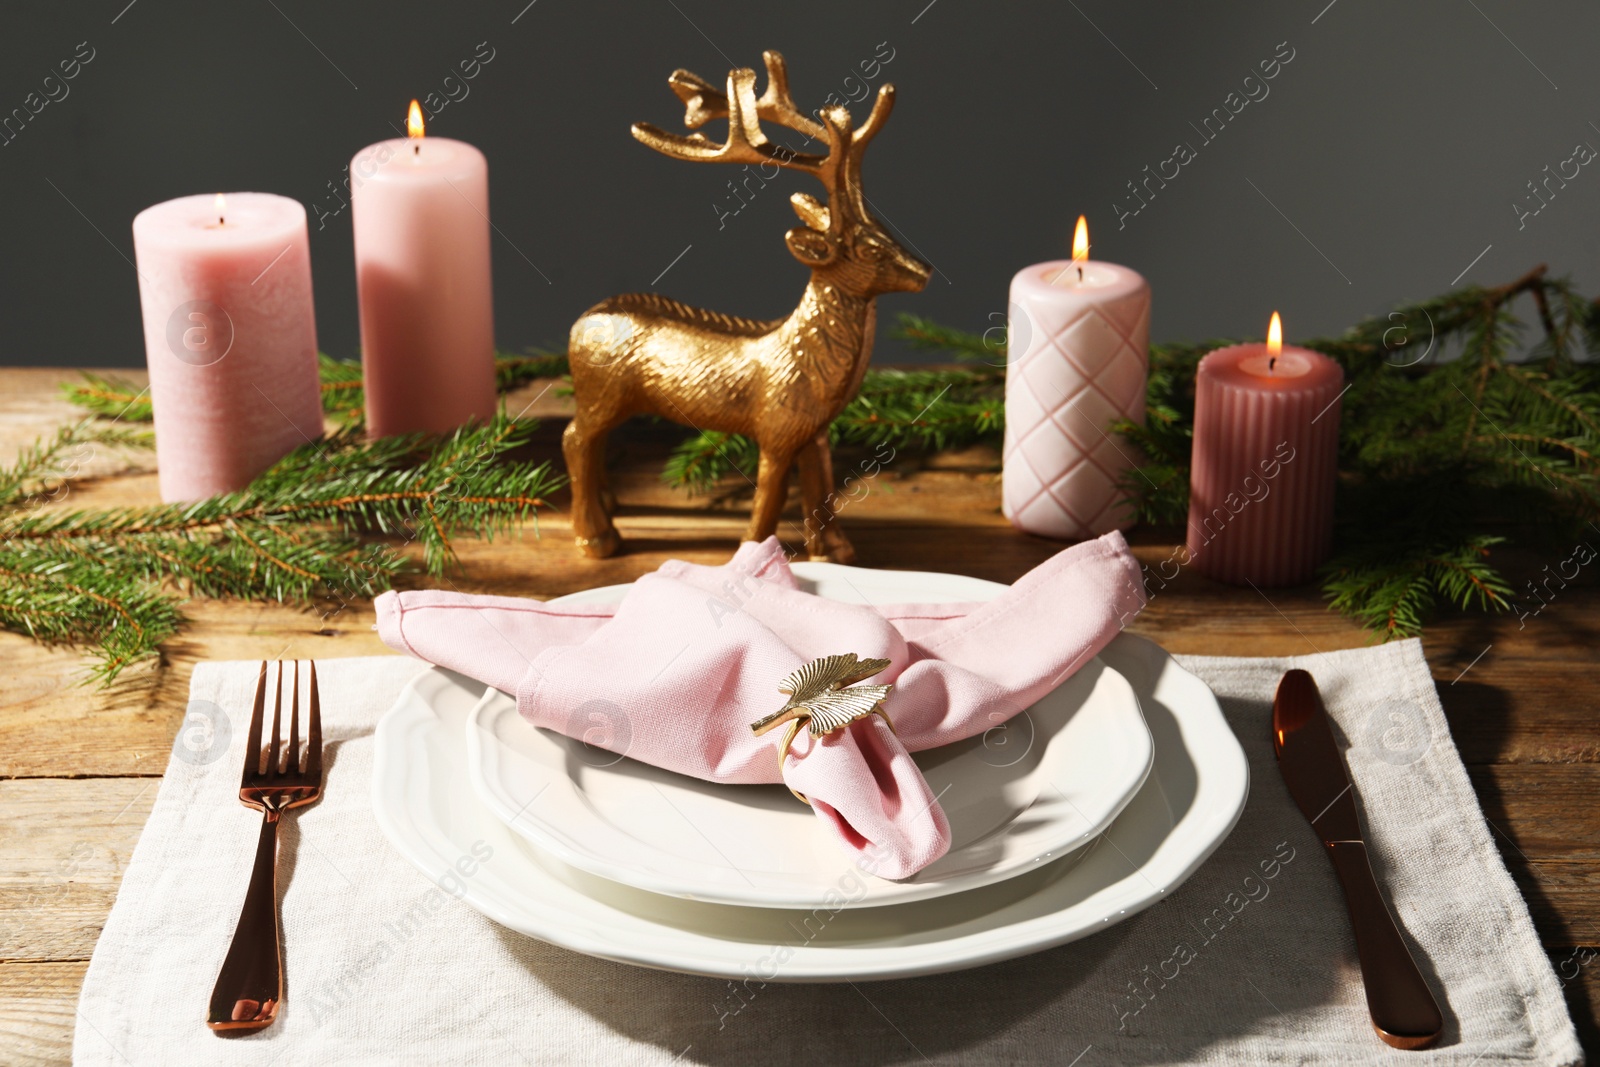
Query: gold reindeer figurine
[{"x": 779, "y": 383}]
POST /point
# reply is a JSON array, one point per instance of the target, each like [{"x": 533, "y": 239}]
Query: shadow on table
[{"x": 289, "y": 841}]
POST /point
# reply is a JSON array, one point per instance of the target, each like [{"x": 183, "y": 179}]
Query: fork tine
[
  {"x": 252, "y": 763},
  {"x": 314, "y": 729},
  {"x": 277, "y": 720},
  {"x": 291, "y": 759}
]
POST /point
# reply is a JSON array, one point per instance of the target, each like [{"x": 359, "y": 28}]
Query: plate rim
[
  {"x": 1205, "y": 825},
  {"x": 480, "y": 738}
]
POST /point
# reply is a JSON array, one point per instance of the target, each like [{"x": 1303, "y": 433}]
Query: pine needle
[
  {"x": 930, "y": 336},
  {"x": 42, "y": 471},
  {"x": 109, "y": 397}
]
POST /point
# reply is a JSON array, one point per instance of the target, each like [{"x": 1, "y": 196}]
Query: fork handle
[{"x": 250, "y": 984}]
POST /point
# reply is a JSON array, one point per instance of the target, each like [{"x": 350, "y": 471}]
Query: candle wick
[
  {"x": 221, "y": 221},
  {"x": 1080, "y": 274},
  {"x": 416, "y": 150},
  {"x": 1272, "y": 364}
]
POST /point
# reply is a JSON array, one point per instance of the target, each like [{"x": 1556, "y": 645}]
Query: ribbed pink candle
[
  {"x": 420, "y": 210},
  {"x": 230, "y": 337},
  {"x": 1078, "y": 352},
  {"x": 1266, "y": 444}
]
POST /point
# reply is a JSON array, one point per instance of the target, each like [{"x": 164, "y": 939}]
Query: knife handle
[{"x": 1402, "y": 1006}]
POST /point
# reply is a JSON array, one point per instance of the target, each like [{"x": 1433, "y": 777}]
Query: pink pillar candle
[
  {"x": 1077, "y": 355},
  {"x": 1266, "y": 451},
  {"x": 420, "y": 209},
  {"x": 230, "y": 337}
]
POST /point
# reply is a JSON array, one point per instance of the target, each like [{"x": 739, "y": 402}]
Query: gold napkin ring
[
  {"x": 819, "y": 698},
  {"x": 794, "y": 731}
]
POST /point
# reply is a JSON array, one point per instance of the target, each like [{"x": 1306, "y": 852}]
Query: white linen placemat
[{"x": 1250, "y": 962}]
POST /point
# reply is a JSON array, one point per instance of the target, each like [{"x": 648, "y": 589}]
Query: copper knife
[{"x": 1403, "y": 1009}]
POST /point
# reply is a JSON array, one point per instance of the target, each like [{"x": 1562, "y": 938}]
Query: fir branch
[
  {"x": 121, "y": 620},
  {"x": 1159, "y": 488},
  {"x": 108, "y": 397},
  {"x": 110, "y": 579},
  {"x": 343, "y": 394},
  {"x": 706, "y": 457},
  {"x": 934, "y": 424},
  {"x": 1393, "y": 589},
  {"x": 930, "y": 336},
  {"x": 1566, "y": 398},
  {"x": 43, "y": 470},
  {"x": 512, "y": 371}
]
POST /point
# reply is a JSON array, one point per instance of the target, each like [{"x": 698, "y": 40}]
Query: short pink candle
[
  {"x": 1266, "y": 451},
  {"x": 230, "y": 337},
  {"x": 1077, "y": 354},
  {"x": 420, "y": 209}
]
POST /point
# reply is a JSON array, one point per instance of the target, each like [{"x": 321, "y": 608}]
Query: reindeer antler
[
  {"x": 704, "y": 103},
  {"x": 839, "y": 170}
]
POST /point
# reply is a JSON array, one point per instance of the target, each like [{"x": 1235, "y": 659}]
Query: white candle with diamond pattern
[{"x": 1078, "y": 352}]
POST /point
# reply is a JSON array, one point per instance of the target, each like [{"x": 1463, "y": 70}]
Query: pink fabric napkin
[{"x": 693, "y": 654}]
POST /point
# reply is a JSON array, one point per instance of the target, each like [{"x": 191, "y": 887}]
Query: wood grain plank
[
  {"x": 1578, "y": 971},
  {"x": 64, "y": 844},
  {"x": 1520, "y": 711},
  {"x": 1543, "y": 817},
  {"x": 38, "y": 1009}
]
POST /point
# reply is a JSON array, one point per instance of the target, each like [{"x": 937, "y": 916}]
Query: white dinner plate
[
  {"x": 427, "y": 808},
  {"x": 1028, "y": 791}
]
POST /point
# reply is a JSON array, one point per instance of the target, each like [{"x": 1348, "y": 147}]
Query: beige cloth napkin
[{"x": 1249, "y": 962}]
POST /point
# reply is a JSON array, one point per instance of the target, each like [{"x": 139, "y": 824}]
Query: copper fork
[{"x": 250, "y": 985}]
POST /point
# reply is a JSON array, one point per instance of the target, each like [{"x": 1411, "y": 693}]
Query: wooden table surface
[{"x": 79, "y": 767}]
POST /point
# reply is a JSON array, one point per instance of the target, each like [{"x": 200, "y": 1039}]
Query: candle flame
[
  {"x": 1275, "y": 336},
  {"x": 414, "y": 120},
  {"x": 222, "y": 209},
  {"x": 1080, "y": 241}
]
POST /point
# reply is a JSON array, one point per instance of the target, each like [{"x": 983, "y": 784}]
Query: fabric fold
[{"x": 692, "y": 655}]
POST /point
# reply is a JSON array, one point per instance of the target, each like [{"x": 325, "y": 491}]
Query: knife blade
[{"x": 1403, "y": 1009}]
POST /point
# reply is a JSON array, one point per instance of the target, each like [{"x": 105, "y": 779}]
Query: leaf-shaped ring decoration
[{"x": 823, "y": 696}]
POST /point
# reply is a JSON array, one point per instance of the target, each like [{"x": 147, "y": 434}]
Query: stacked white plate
[{"x": 1089, "y": 807}]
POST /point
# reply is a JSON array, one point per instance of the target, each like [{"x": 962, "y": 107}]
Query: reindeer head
[{"x": 840, "y": 239}]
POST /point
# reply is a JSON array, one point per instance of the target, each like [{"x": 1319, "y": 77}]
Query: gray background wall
[{"x": 1383, "y": 164}]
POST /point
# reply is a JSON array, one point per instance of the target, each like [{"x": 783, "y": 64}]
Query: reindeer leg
[
  {"x": 603, "y": 491},
  {"x": 825, "y": 540},
  {"x": 772, "y": 489},
  {"x": 584, "y": 444},
  {"x": 816, "y": 499}
]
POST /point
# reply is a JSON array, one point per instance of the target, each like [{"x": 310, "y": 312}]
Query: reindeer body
[
  {"x": 779, "y": 382},
  {"x": 645, "y": 353}
]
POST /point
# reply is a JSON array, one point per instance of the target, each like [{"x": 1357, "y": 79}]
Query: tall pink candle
[
  {"x": 420, "y": 209},
  {"x": 1077, "y": 354},
  {"x": 230, "y": 337},
  {"x": 1266, "y": 451}
]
